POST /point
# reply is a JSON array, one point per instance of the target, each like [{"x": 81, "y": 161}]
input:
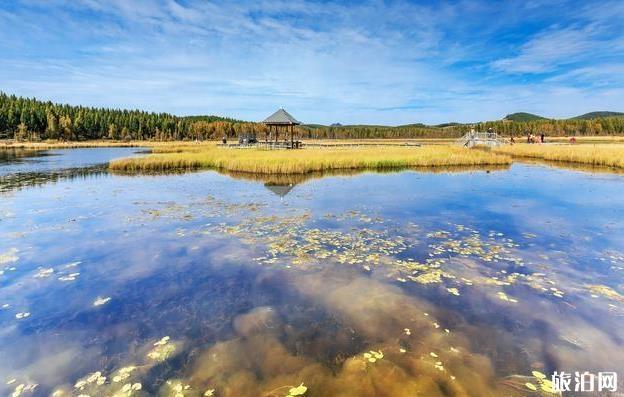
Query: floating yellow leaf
[
  {"x": 453, "y": 291},
  {"x": 298, "y": 391},
  {"x": 101, "y": 301}
]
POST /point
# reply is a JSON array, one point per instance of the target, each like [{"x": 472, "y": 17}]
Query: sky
[{"x": 350, "y": 62}]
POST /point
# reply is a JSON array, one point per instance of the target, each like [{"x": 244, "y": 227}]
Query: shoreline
[{"x": 53, "y": 144}]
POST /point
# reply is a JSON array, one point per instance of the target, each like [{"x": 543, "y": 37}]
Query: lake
[{"x": 412, "y": 283}]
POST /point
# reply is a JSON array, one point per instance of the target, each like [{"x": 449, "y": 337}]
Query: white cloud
[
  {"x": 369, "y": 62},
  {"x": 552, "y": 48}
]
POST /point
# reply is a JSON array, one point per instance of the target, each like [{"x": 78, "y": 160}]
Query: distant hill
[
  {"x": 444, "y": 125},
  {"x": 522, "y": 116},
  {"x": 211, "y": 118},
  {"x": 335, "y": 125},
  {"x": 414, "y": 125},
  {"x": 598, "y": 115}
]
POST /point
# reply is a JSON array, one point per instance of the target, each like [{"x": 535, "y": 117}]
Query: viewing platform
[
  {"x": 269, "y": 145},
  {"x": 473, "y": 138}
]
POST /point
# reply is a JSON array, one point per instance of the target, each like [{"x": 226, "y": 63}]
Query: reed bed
[
  {"x": 592, "y": 139},
  {"x": 260, "y": 161},
  {"x": 607, "y": 155}
]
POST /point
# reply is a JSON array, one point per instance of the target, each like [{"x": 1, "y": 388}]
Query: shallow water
[{"x": 397, "y": 284}]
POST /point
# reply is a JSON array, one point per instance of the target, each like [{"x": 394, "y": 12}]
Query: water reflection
[
  {"x": 20, "y": 168},
  {"x": 17, "y": 181},
  {"x": 465, "y": 284},
  {"x": 588, "y": 168},
  {"x": 280, "y": 190},
  {"x": 282, "y": 184},
  {"x": 12, "y": 155}
]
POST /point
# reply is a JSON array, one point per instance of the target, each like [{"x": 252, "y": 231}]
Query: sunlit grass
[
  {"x": 306, "y": 160},
  {"x": 609, "y": 155},
  {"x": 593, "y": 139}
]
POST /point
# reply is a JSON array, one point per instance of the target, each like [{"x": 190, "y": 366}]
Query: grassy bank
[
  {"x": 306, "y": 160},
  {"x": 607, "y": 155}
]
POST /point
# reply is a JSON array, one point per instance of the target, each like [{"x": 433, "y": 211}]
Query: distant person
[
  {"x": 224, "y": 140},
  {"x": 542, "y": 136},
  {"x": 512, "y": 140},
  {"x": 528, "y": 137},
  {"x": 573, "y": 140}
]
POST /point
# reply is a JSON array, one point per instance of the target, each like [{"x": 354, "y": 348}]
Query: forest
[{"x": 28, "y": 119}]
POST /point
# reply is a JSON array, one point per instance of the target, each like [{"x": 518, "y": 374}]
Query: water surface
[{"x": 397, "y": 284}]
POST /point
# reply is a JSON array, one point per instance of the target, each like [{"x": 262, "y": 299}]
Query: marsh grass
[
  {"x": 606, "y": 155},
  {"x": 260, "y": 161}
]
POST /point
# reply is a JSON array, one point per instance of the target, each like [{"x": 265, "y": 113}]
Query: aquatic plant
[
  {"x": 307, "y": 160},
  {"x": 608, "y": 155},
  {"x": 99, "y": 301},
  {"x": 162, "y": 349}
]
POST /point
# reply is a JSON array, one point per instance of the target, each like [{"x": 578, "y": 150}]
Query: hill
[
  {"x": 522, "y": 116},
  {"x": 598, "y": 115},
  {"x": 211, "y": 118}
]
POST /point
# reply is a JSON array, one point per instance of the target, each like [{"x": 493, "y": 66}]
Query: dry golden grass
[
  {"x": 306, "y": 160},
  {"x": 608, "y": 155},
  {"x": 380, "y": 141},
  {"x": 581, "y": 139}
]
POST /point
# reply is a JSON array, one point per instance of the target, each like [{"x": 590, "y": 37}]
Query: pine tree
[
  {"x": 52, "y": 127},
  {"x": 65, "y": 124}
]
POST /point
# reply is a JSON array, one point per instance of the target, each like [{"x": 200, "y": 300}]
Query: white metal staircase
[{"x": 473, "y": 138}]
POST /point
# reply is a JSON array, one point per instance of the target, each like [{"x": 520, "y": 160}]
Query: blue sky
[{"x": 376, "y": 62}]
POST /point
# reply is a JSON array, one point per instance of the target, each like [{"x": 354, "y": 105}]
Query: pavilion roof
[{"x": 281, "y": 117}]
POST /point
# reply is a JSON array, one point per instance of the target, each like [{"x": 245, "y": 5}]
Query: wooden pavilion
[{"x": 281, "y": 120}]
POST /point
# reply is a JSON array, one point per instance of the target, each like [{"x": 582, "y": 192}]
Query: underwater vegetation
[
  {"x": 372, "y": 275},
  {"x": 201, "y": 285}
]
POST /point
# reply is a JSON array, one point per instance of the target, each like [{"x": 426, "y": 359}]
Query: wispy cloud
[
  {"x": 367, "y": 62},
  {"x": 556, "y": 47}
]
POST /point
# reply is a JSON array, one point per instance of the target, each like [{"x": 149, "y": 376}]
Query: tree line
[
  {"x": 31, "y": 119},
  {"x": 569, "y": 127}
]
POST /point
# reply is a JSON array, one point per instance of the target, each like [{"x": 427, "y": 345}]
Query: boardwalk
[
  {"x": 482, "y": 139},
  {"x": 301, "y": 145}
]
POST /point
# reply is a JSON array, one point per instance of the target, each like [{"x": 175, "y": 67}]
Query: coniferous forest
[
  {"x": 31, "y": 119},
  {"x": 28, "y": 119}
]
